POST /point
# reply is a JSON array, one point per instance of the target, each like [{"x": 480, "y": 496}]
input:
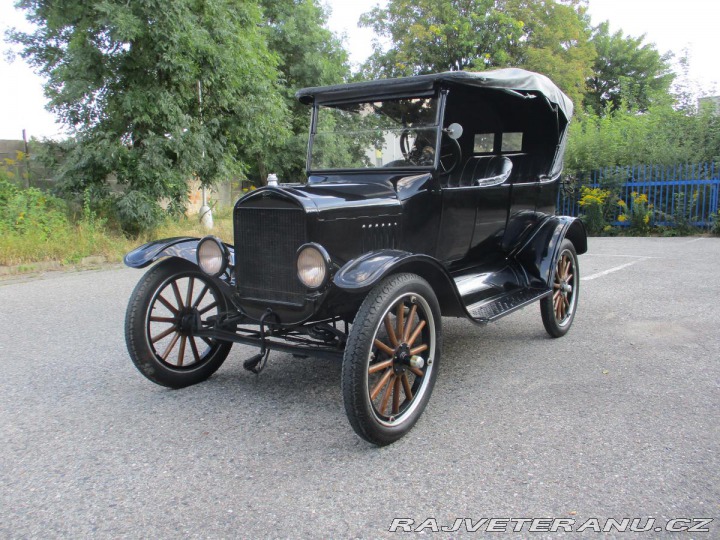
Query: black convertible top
[{"x": 512, "y": 80}]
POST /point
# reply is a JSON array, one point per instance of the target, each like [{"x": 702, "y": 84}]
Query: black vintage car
[{"x": 426, "y": 197}]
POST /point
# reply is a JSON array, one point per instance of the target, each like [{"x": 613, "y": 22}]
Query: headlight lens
[
  {"x": 312, "y": 267},
  {"x": 211, "y": 256}
]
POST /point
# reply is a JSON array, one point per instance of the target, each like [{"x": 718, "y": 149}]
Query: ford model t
[{"x": 426, "y": 197}]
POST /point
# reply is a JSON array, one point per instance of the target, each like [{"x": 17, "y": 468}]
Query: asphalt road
[{"x": 620, "y": 418}]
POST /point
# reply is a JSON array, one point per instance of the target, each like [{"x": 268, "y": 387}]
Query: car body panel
[{"x": 184, "y": 247}]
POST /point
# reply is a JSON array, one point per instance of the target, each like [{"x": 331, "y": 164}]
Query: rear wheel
[
  {"x": 558, "y": 309},
  {"x": 164, "y": 307},
  {"x": 391, "y": 358}
]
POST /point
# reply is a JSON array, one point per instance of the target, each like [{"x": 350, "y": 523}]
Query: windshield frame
[{"x": 439, "y": 114}]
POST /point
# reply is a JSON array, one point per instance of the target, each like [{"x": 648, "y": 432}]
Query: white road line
[
  {"x": 692, "y": 241},
  {"x": 641, "y": 257},
  {"x": 610, "y": 271}
]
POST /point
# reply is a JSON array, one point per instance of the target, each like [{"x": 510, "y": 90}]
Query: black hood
[{"x": 341, "y": 198}]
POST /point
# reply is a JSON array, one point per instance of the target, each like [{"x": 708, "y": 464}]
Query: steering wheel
[
  {"x": 450, "y": 155},
  {"x": 421, "y": 152}
]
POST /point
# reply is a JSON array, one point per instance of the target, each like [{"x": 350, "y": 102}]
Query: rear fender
[
  {"x": 360, "y": 275},
  {"x": 539, "y": 254}
]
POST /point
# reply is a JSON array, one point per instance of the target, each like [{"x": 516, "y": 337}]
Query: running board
[{"x": 490, "y": 310}]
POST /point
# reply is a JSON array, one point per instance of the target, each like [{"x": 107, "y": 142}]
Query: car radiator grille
[{"x": 266, "y": 241}]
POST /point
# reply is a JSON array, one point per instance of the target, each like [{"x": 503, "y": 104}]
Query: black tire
[
  {"x": 173, "y": 290},
  {"x": 386, "y": 342},
  {"x": 558, "y": 310}
]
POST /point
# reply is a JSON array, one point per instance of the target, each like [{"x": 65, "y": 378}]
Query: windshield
[{"x": 390, "y": 133}]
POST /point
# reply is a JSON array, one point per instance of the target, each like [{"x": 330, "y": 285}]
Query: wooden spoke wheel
[
  {"x": 172, "y": 299},
  {"x": 391, "y": 358},
  {"x": 558, "y": 310}
]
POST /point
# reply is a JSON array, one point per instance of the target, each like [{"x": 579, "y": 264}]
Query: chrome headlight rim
[
  {"x": 327, "y": 264},
  {"x": 223, "y": 252}
]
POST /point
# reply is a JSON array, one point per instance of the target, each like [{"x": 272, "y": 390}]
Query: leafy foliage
[
  {"x": 555, "y": 42},
  {"x": 428, "y": 36},
  {"x": 594, "y": 203},
  {"x": 25, "y": 210},
  {"x": 309, "y": 55},
  {"x": 626, "y": 73},
  {"x": 684, "y": 205},
  {"x": 125, "y": 77},
  {"x": 660, "y": 136},
  {"x": 638, "y": 213}
]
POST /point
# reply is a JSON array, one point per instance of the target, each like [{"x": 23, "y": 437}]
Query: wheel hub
[
  {"x": 401, "y": 359},
  {"x": 189, "y": 321}
]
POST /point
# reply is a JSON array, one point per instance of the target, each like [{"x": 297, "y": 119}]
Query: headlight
[
  {"x": 211, "y": 256},
  {"x": 312, "y": 265}
]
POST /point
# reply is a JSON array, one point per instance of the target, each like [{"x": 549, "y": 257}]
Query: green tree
[
  {"x": 556, "y": 41},
  {"x": 309, "y": 55},
  {"x": 124, "y": 77},
  {"x": 429, "y": 36},
  {"x": 626, "y": 73}
]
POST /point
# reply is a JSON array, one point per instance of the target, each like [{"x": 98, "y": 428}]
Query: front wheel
[
  {"x": 391, "y": 358},
  {"x": 558, "y": 310},
  {"x": 163, "y": 309}
]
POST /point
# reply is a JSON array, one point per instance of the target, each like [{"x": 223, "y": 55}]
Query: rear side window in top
[
  {"x": 484, "y": 143},
  {"x": 511, "y": 141}
]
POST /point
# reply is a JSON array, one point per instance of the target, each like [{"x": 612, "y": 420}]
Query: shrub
[
  {"x": 715, "y": 228},
  {"x": 684, "y": 213},
  {"x": 136, "y": 212},
  {"x": 26, "y": 210},
  {"x": 638, "y": 214},
  {"x": 593, "y": 201}
]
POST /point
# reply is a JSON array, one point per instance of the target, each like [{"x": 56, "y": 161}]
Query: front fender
[
  {"x": 362, "y": 274},
  {"x": 184, "y": 247},
  {"x": 539, "y": 254}
]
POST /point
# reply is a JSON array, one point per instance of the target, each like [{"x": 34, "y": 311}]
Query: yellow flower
[
  {"x": 621, "y": 203},
  {"x": 593, "y": 196},
  {"x": 646, "y": 219},
  {"x": 622, "y": 218}
]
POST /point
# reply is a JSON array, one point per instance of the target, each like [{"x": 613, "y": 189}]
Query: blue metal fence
[{"x": 687, "y": 193}]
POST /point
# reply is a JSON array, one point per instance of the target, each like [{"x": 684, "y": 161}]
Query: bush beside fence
[{"x": 680, "y": 196}]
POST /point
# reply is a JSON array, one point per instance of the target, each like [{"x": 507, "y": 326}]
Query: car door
[
  {"x": 474, "y": 216},
  {"x": 457, "y": 222}
]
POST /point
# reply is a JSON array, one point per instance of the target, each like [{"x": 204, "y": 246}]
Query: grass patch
[
  {"x": 37, "y": 227},
  {"x": 69, "y": 243}
]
